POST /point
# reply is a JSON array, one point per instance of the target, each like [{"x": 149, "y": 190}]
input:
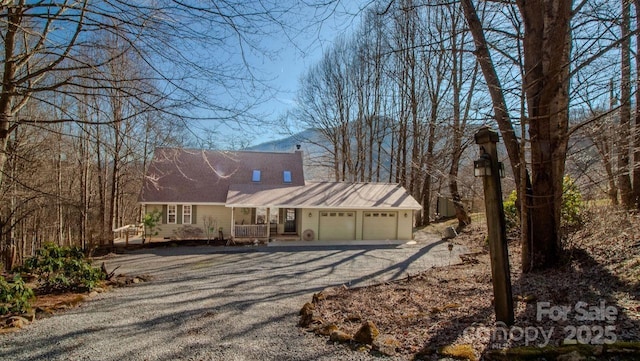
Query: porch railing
[{"x": 250, "y": 231}]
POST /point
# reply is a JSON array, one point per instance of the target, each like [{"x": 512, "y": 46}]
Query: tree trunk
[
  {"x": 546, "y": 81},
  {"x": 4, "y": 142},
  {"x": 85, "y": 194},
  {"x": 604, "y": 137},
  {"x": 457, "y": 130},
  {"x": 504, "y": 122},
  {"x": 429, "y": 160},
  {"x": 59, "y": 208},
  {"x": 546, "y": 84},
  {"x": 102, "y": 187},
  {"x": 624, "y": 132},
  {"x": 495, "y": 88},
  {"x": 8, "y": 85},
  {"x": 636, "y": 138}
]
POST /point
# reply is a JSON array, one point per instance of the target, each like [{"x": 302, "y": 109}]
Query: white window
[
  {"x": 172, "y": 211},
  {"x": 186, "y": 214},
  {"x": 286, "y": 176},
  {"x": 256, "y": 175}
]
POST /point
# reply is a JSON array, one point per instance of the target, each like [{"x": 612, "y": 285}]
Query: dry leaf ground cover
[{"x": 592, "y": 299}]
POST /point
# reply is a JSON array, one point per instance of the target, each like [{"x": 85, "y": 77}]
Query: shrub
[
  {"x": 510, "y": 210},
  {"x": 570, "y": 211},
  {"x": 63, "y": 269},
  {"x": 151, "y": 221},
  {"x": 15, "y": 296},
  {"x": 572, "y": 205},
  {"x": 188, "y": 232}
]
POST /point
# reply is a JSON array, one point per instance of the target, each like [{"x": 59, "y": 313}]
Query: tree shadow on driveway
[{"x": 204, "y": 303}]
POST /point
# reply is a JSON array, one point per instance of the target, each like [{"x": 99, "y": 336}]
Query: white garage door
[
  {"x": 380, "y": 225},
  {"x": 337, "y": 226}
]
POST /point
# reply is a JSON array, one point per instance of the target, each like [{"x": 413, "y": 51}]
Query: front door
[{"x": 290, "y": 220}]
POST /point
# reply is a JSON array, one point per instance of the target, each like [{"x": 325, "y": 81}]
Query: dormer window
[
  {"x": 286, "y": 176},
  {"x": 256, "y": 175}
]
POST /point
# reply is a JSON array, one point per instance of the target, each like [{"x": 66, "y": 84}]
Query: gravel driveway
[{"x": 216, "y": 303}]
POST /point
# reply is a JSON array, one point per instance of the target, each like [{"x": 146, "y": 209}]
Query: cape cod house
[{"x": 264, "y": 196}]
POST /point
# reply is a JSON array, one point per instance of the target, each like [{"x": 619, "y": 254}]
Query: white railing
[{"x": 250, "y": 231}]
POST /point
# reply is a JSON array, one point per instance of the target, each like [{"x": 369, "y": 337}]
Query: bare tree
[
  {"x": 434, "y": 70},
  {"x": 636, "y": 134},
  {"x": 603, "y": 137},
  {"x": 90, "y": 73},
  {"x": 461, "y": 80},
  {"x": 394, "y": 77},
  {"x": 559, "y": 44},
  {"x": 624, "y": 130},
  {"x": 546, "y": 83}
]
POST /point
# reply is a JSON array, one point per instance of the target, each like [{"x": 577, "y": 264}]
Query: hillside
[
  {"x": 311, "y": 143},
  {"x": 422, "y": 316},
  {"x": 318, "y": 160}
]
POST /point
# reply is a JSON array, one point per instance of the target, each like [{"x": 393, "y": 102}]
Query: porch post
[
  {"x": 268, "y": 223},
  {"x": 233, "y": 224}
]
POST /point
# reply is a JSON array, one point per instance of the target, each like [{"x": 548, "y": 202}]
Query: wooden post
[
  {"x": 501, "y": 275},
  {"x": 233, "y": 224},
  {"x": 268, "y": 223}
]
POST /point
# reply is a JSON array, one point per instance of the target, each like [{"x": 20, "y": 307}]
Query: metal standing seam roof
[{"x": 323, "y": 195}]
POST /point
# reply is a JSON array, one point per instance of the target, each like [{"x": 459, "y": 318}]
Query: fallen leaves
[{"x": 450, "y": 308}]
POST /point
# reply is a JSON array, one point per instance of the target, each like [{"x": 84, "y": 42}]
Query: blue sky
[
  {"x": 290, "y": 55},
  {"x": 311, "y": 47}
]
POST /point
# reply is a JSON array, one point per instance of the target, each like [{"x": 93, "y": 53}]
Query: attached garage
[
  {"x": 337, "y": 211},
  {"x": 337, "y": 226},
  {"x": 380, "y": 225}
]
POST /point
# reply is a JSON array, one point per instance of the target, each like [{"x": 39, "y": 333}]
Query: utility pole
[{"x": 490, "y": 170}]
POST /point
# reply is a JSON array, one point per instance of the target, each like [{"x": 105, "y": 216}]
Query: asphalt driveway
[{"x": 216, "y": 303}]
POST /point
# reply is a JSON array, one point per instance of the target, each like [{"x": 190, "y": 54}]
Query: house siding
[
  {"x": 221, "y": 216},
  {"x": 219, "y": 213},
  {"x": 307, "y": 219},
  {"x": 405, "y": 224},
  {"x": 243, "y": 215}
]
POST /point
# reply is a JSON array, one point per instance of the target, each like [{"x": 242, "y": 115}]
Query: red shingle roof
[{"x": 204, "y": 176}]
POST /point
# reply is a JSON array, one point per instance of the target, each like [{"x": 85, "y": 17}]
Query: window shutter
[
  {"x": 164, "y": 214},
  {"x": 194, "y": 219},
  {"x": 281, "y": 215},
  {"x": 253, "y": 216},
  {"x": 179, "y": 214}
]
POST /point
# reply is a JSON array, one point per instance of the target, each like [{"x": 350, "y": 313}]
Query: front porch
[{"x": 251, "y": 224}]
